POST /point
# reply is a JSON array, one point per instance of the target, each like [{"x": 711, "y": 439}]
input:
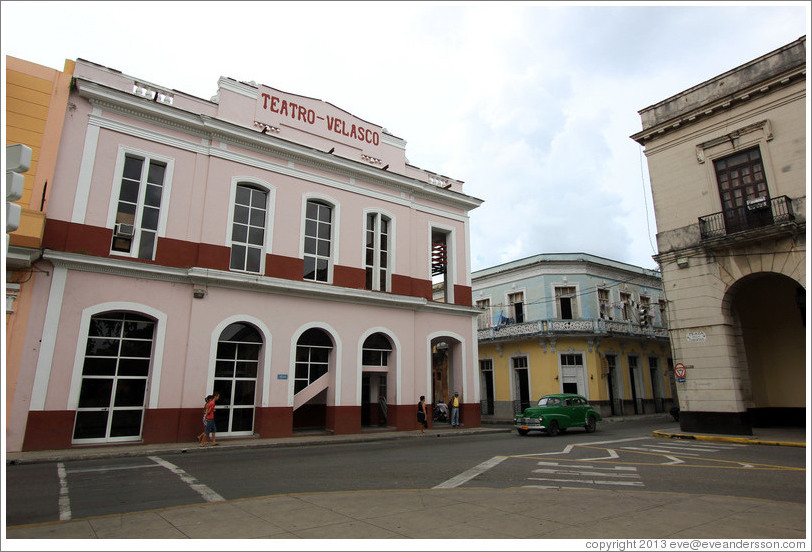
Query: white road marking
[
  {"x": 468, "y": 475},
  {"x": 674, "y": 460},
  {"x": 112, "y": 468},
  {"x": 591, "y": 481},
  {"x": 646, "y": 449},
  {"x": 621, "y": 468},
  {"x": 554, "y": 472},
  {"x": 64, "y": 499},
  {"x": 688, "y": 446},
  {"x": 208, "y": 494},
  {"x": 552, "y": 487},
  {"x": 568, "y": 448}
]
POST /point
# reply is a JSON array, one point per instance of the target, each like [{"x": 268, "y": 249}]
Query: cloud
[{"x": 531, "y": 104}]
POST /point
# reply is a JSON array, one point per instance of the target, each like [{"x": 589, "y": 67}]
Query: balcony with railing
[
  {"x": 757, "y": 214},
  {"x": 569, "y": 328}
]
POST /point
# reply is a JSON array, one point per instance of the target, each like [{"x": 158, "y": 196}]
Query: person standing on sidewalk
[
  {"x": 211, "y": 428},
  {"x": 205, "y": 406},
  {"x": 455, "y": 409},
  {"x": 422, "y": 414}
]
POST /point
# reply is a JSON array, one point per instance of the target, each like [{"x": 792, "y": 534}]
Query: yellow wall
[
  {"x": 36, "y": 99},
  {"x": 36, "y": 102},
  {"x": 544, "y": 366}
]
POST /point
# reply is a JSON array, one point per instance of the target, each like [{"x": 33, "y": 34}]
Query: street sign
[{"x": 680, "y": 372}]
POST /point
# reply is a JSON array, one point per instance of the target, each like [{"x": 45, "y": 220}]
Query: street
[{"x": 619, "y": 456}]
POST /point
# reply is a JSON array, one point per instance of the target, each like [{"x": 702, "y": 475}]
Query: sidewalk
[{"x": 455, "y": 513}]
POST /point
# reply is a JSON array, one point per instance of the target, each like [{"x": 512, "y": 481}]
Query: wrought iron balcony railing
[
  {"x": 557, "y": 327},
  {"x": 757, "y": 213}
]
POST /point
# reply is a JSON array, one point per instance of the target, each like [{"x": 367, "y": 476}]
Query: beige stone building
[{"x": 728, "y": 165}]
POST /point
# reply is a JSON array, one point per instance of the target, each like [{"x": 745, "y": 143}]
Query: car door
[{"x": 578, "y": 411}]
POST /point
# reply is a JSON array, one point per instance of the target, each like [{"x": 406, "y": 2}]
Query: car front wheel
[
  {"x": 552, "y": 429},
  {"x": 590, "y": 424},
  {"x": 522, "y": 431}
]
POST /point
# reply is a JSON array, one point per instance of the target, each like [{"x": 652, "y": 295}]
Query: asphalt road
[{"x": 618, "y": 456}]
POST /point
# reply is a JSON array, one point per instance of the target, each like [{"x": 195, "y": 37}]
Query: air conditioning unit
[{"x": 125, "y": 230}]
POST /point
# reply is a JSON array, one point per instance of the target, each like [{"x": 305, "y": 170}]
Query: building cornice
[
  {"x": 21, "y": 257},
  {"x": 753, "y": 80},
  {"x": 211, "y": 128},
  {"x": 202, "y": 278}
]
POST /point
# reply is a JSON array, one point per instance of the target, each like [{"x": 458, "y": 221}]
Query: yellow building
[
  {"x": 572, "y": 323},
  {"x": 728, "y": 165},
  {"x": 36, "y": 103}
]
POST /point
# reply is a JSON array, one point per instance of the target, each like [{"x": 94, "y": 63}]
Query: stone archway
[{"x": 771, "y": 347}]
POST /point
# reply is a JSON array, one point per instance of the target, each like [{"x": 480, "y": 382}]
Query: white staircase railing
[{"x": 302, "y": 397}]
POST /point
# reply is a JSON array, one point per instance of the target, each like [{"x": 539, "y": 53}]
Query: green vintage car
[{"x": 556, "y": 413}]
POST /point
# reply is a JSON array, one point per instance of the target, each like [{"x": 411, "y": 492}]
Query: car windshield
[{"x": 549, "y": 401}]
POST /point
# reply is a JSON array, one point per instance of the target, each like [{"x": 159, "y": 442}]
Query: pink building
[{"x": 268, "y": 246}]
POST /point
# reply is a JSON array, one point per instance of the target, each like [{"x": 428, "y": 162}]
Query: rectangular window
[
  {"x": 484, "y": 320},
  {"x": 376, "y": 257},
  {"x": 625, "y": 305},
  {"x": 743, "y": 191},
  {"x": 317, "y": 241},
  {"x": 603, "y": 304},
  {"x": 565, "y": 299},
  {"x": 516, "y": 307},
  {"x": 139, "y": 206},
  {"x": 442, "y": 257},
  {"x": 248, "y": 228},
  {"x": 572, "y": 374},
  {"x": 663, "y": 317}
]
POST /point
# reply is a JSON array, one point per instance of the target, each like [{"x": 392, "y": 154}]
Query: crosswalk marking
[
  {"x": 64, "y": 498},
  {"x": 591, "y": 481},
  {"x": 466, "y": 476},
  {"x": 621, "y": 468},
  {"x": 659, "y": 450},
  {"x": 208, "y": 494},
  {"x": 587, "y": 474}
]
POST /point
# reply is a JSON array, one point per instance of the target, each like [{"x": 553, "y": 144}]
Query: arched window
[
  {"x": 312, "y": 357},
  {"x": 235, "y": 377},
  {"x": 376, "y": 351},
  {"x": 118, "y": 355}
]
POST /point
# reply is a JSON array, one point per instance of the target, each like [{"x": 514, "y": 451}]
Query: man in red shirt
[{"x": 210, "y": 427}]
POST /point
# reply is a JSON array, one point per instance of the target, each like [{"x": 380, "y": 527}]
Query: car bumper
[{"x": 528, "y": 424}]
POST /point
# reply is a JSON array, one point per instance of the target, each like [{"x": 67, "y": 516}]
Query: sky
[{"x": 530, "y": 104}]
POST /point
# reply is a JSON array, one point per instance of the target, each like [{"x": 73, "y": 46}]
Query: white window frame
[
  {"x": 576, "y": 311},
  {"x": 514, "y": 384},
  {"x": 484, "y": 321},
  {"x": 380, "y": 214},
  {"x": 115, "y": 193},
  {"x": 334, "y": 233},
  {"x": 607, "y": 310},
  {"x": 267, "y": 246},
  {"x": 450, "y": 234},
  {"x": 511, "y": 311},
  {"x": 625, "y": 306},
  {"x": 580, "y": 372}
]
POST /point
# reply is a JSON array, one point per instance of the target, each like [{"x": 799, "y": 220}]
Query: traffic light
[
  {"x": 644, "y": 316},
  {"x": 18, "y": 161}
]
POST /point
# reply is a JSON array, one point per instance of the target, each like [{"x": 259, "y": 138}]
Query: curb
[
  {"x": 179, "y": 448},
  {"x": 721, "y": 438}
]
